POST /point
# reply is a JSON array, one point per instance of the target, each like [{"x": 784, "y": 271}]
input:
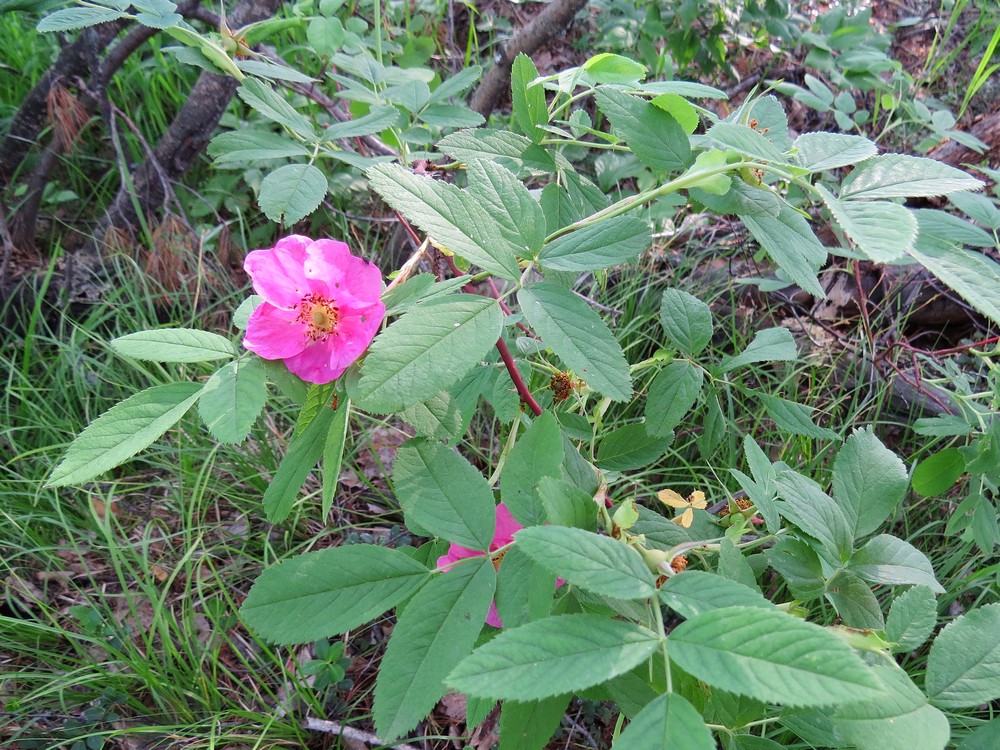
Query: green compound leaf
[
  {"x": 854, "y": 601},
  {"x": 769, "y": 345},
  {"x": 911, "y": 619},
  {"x": 973, "y": 275},
  {"x": 529, "y": 726},
  {"x": 631, "y": 447},
  {"x": 437, "y": 629},
  {"x": 869, "y": 482},
  {"x": 987, "y": 737},
  {"x": 963, "y": 669},
  {"x": 571, "y": 329},
  {"x": 333, "y": 453},
  {"x": 668, "y": 721},
  {"x": 508, "y": 201},
  {"x": 483, "y": 143},
  {"x": 378, "y": 119},
  {"x": 684, "y": 112},
  {"x": 443, "y": 493},
  {"x": 686, "y": 321},
  {"x": 324, "y": 593},
  {"x": 741, "y": 199},
  {"x": 745, "y": 140},
  {"x": 977, "y": 207},
  {"x": 951, "y": 229},
  {"x": 695, "y": 591},
  {"x": 427, "y": 350},
  {"x": 253, "y": 145},
  {"x": 795, "y": 418},
  {"x": 122, "y": 431},
  {"x": 537, "y": 454},
  {"x": 553, "y": 656},
  {"x": 438, "y": 417},
  {"x": 610, "y": 68},
  {"x": 264, "y": 100},
  {"x": 598, "y": 564},
  {"x": 608, "y": 243},
  {"x": 566, "y": 504},
  {"x": 820, "y": 152},
  {"x": 882, "y": 230},
  {"x": 304, "y": 451},
  {"x": 174, "y": 345},
  {"x": 791, "y": 243},
  {"x": 888, "y": 559},
  {"x": 455, "y": 219},
  {"x": 812, "y": 510},
  {"x": 938, "y": 473},
  {"x": 902, "y": 176},
  {"x": 525, "y": 589},
  {"x": 771, "y": 656},
  {"x": 673, "y": 392},
  {"x": 292, "y": 192},
  {"x": 655, "y": 137},
  {"x": 232, "y": 399},
  {"x": 78, "y": 18},
  {"x": 528, "y": 101},
  {"x": 900, "y": 719}
]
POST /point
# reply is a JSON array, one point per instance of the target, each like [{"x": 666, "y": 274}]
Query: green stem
[
  {"x": 686, "y": 180},
  {"x": 587, "y": 144},
  {"x": 661, "y": 631},
  {"x": 378, "y": 31},
  {"x": 507, "y": 448}
]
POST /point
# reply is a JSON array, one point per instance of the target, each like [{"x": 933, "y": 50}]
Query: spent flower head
[{"x": 695, "y": 501}]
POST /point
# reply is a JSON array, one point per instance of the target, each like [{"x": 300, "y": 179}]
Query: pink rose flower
[
  {"x": 506, "y": 526},
  {"x": 321, "y": 306}
]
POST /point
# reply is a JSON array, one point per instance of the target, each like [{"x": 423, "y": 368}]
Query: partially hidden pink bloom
[
  {"x": 506, "y": 527},
  {"x": 321, "y": 306}
]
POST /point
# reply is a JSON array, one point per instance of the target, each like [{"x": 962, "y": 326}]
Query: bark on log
[
  {"x": 543, "y": 27},
  {"x": 987, "y": 130}
]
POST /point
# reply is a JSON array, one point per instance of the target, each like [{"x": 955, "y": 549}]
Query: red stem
[
  {"x": 505, "y": 355},
  {"x": 515, "y": 376}
]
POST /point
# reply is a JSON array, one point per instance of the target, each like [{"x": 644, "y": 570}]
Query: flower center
[{"x": 319, "y": 315}]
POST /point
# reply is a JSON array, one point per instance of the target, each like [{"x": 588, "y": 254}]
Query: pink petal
[
  {"x": 355, "y": 330},
  {"x": 326, "y": 360},
  {"x": 278, "y": 274},
  {"x": 493, "y": 617},
  {"x": 313, "y": 365},
  {"x": 274, "y": 333},
  {"x": 351, "y": 281},
  {"x": 506, "y": 528},
  {"x": 456, "y": 553}
]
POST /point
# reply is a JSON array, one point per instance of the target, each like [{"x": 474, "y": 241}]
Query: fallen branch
[
  {"x": 333, "y": 727},
  {"x": 954, "y": 153},
  {"x": 543, "y": 27}
]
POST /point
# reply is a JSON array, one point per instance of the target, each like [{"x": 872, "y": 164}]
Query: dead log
[
  {"x": 987, "y": 130},
  {"x": 545, "y": 26},
  {"x": 185, "y": 139}
]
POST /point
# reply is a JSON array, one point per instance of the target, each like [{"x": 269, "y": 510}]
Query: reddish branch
[{"x": 505, "y": 355}]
